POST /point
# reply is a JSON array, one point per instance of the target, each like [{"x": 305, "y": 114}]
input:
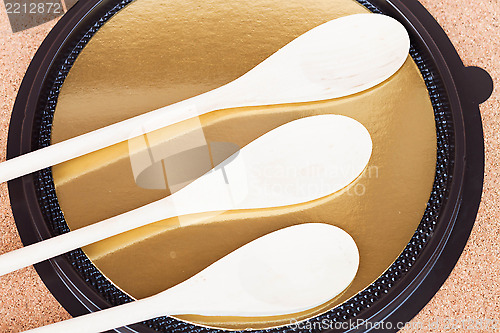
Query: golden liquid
[{"x": 154, "y": 53}]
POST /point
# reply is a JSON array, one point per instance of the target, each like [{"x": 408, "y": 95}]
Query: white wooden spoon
[
  {"x": 300, "y": 161},
  {"x": 284, "y": 272},
  {"x": 336, "y": 59}
]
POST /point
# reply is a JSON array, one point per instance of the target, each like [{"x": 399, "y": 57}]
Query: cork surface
[{"x": 469, "y": 298}]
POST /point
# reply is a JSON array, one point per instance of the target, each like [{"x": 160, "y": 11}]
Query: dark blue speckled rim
[{"x": 395, "y": 297}]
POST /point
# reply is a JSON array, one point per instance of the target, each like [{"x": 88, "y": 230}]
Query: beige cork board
[{"x": 470, "y": 295}]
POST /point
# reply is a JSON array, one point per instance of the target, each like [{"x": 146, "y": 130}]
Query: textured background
[{"x": 472, "y": 292}]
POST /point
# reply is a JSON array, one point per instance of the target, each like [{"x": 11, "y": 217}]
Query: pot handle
[{"x": 480, "y": 84}]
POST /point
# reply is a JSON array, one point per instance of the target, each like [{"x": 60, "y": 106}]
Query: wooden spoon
[
  {"x": 336, "y": 59},
  {"x": 284, "y": 272},
  {"x": 300, "y": 161}
]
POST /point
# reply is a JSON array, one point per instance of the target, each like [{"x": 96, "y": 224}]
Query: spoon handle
[
  {"x": 49, "y": 248},
  {"x": 108, "y": 319},
  {"x": 106, "y": 136},
  {"x": 217, "y": 198}
]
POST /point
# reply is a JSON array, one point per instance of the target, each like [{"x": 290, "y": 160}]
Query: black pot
[{"x": 396, "y": 297}]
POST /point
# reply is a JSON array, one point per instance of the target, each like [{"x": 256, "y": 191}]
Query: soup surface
[{"x": 156, "y": 52}]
